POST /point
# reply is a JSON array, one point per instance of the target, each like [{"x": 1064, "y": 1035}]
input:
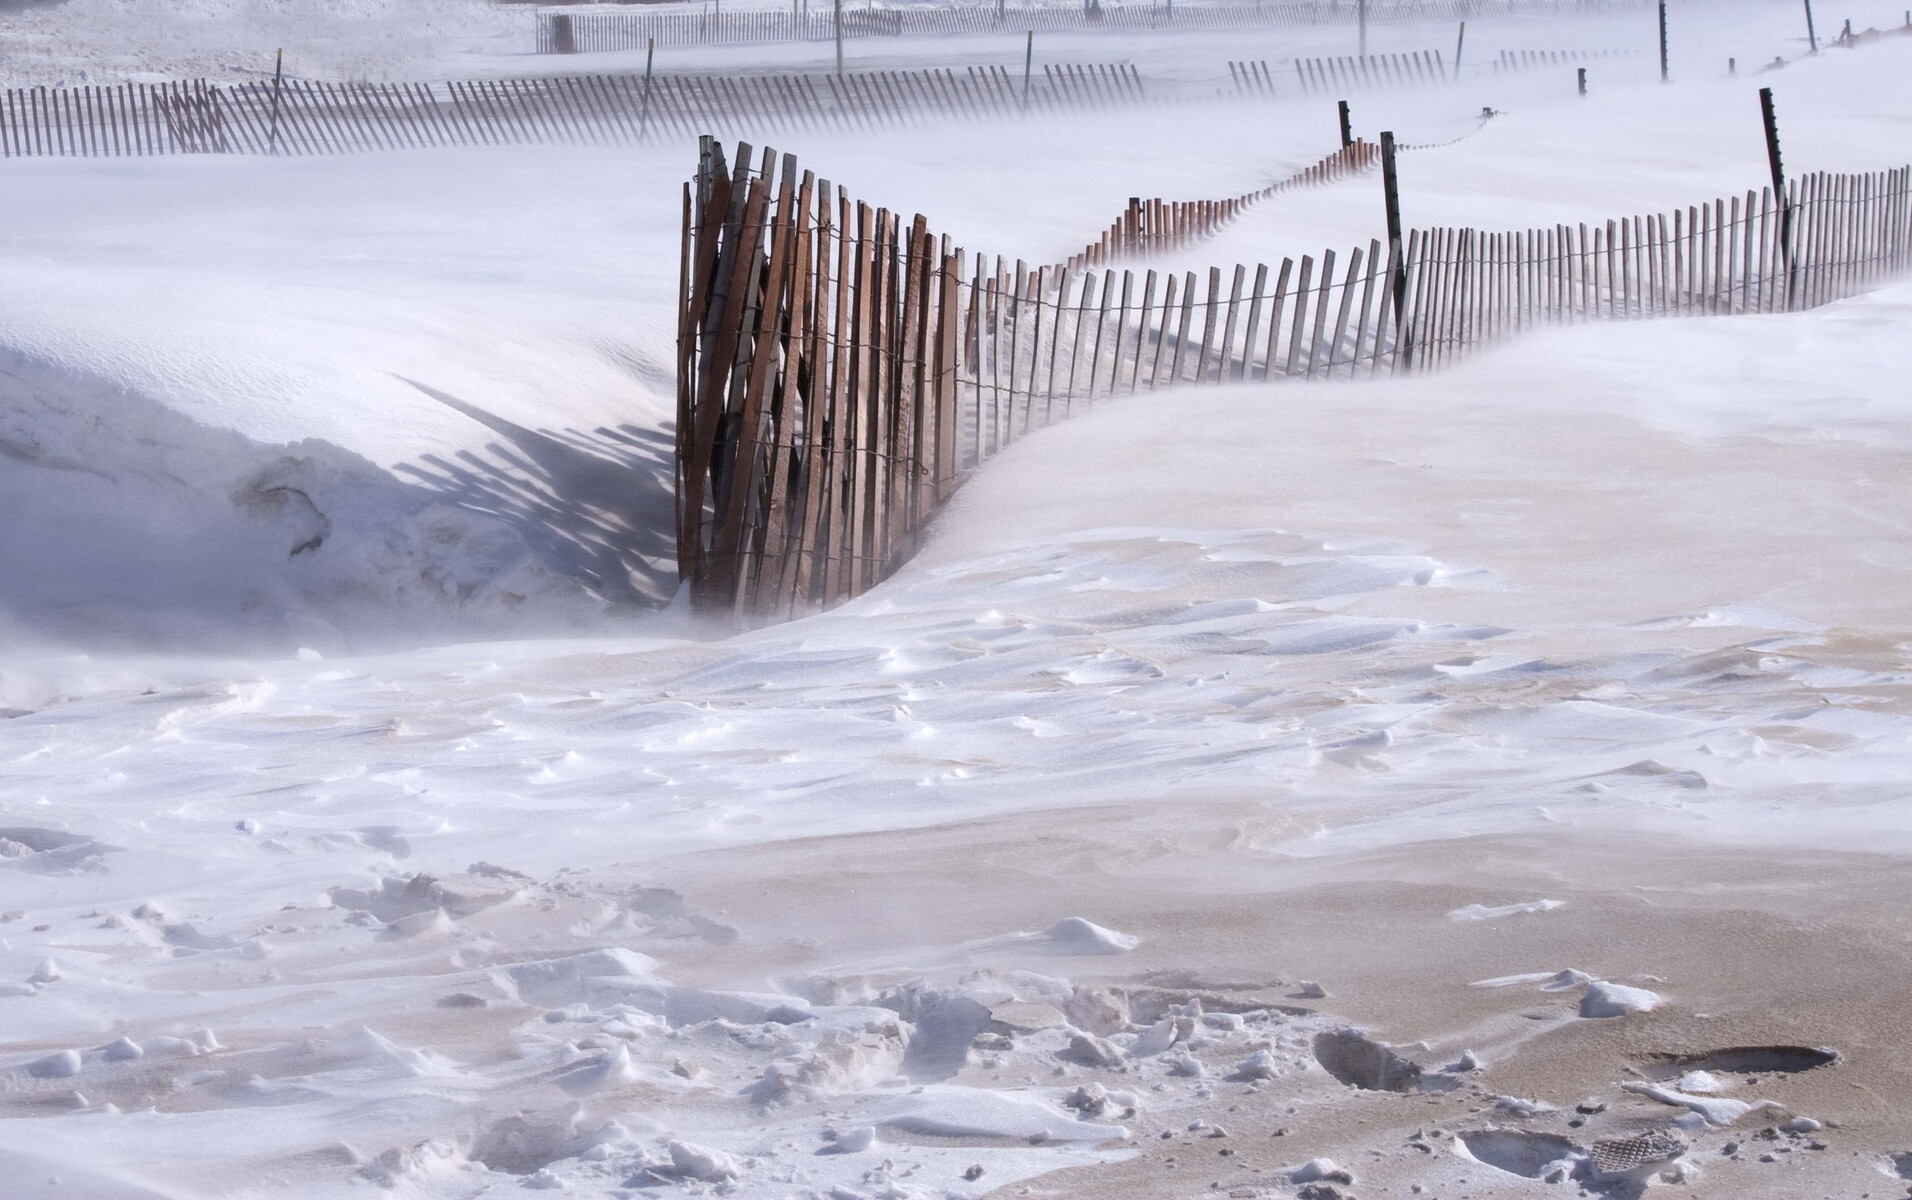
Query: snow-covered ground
[{"x": 363, "y": 827}]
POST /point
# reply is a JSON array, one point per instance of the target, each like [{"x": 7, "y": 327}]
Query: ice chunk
[
  {"x": 1603, "y": 999},
  {"x": 701, "y": 1162},
  {"x": 856, "y": 1139}
]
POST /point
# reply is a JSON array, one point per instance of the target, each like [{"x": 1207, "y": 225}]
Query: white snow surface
[{"x": 295, "y": 924}]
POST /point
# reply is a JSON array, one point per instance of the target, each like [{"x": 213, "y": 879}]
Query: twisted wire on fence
[
  {"x": 575, "y": 32},
  {"x": 841, "y": 370}
]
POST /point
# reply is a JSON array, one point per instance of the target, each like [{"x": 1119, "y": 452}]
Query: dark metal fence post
[
  {"x": 1811, "y": 38},
  {"x": 1665, "y": 74},
  {"x": 1028, "y": 67},
  {"x": 644, "y": 114},
  {"x": 1779, "y": 188},
  {"x": 1391, "y": 193},
  {"x": 1583, "y": 81},
  {"x": 278, "y": 81},
  {"x": 1460, "y": 43},
  {"x": 1347, "y": 124}
]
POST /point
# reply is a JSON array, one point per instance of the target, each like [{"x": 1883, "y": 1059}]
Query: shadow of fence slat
[{"x": 841, "y": 370}]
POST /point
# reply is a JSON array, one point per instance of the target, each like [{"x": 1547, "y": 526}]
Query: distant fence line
[
  {"x": 1346, "y": 73},
  {"x": 841, "y": 370},
  {"x": 1522, "y": 60},
  {"x": 562, "y": 31},
  {"x": 300, "y": 117},
  {"x": 1151, "y": 226}
]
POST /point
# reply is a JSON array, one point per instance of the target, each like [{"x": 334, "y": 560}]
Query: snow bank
[
  {"x": 321, "y": 405},
  {"x": 132, "y": 522}
]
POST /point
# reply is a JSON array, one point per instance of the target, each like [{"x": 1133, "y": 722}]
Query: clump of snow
[
  {"x": 1318, "y": 1170},
  {"x": 855, "y": 1139},
  {"x": 702, "y": 1163},
  {"x": 63, "y": 1064},
  {"x": 1707, "y": 1110},
  {"x": 1077, "y": 935},
  {"x": 1604, "y": 999}
]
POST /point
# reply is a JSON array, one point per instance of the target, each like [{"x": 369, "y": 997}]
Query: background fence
[
  {"x": 1368, "y": 72},
  {"x": 841, "y": 369},
  {"x": 574, "y": 31},
  {"x": 298, "y": 117}
]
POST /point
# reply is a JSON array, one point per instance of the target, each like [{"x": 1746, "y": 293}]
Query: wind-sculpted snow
[{"x": 1140, "y": 838}]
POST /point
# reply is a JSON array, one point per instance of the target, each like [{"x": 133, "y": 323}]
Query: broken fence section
[{"x": 841, "y": 369}]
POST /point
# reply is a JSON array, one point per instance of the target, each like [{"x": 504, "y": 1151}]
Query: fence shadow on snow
[{"x": 597, "y": 501}]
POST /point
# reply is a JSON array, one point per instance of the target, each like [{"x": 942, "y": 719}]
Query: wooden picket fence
[
  {"x": 1343, "y": 75},
  {"x": 581, "y": 31},
  {"x": 841, "y": 370},
  {"x": 1154, "y": 226},
  {"x": 1522, "y": 60},
  {"x": 299, "y": 117}
]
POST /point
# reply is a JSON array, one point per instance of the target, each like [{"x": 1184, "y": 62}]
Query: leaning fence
[
  {"x": 302, "y": 117},
  {"x": 1156, "y": 225},
  {"x": 572, "y": 31},
  {"x": 841, "y": 369}
]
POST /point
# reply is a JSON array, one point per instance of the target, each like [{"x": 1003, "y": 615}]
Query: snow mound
[
  {"x": 1075, "y": 935},
  {"x": 139, "y": 521}
]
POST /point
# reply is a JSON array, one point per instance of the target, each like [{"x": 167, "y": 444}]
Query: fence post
[
  {"x": 1028, "y": 66},
  {"x": 1665, "y": 75},
  {"x": 1361, "y": 16},
  {"x": 1391, "y": 195},
  {"x": 1771, "y": 121},
  {"x": 644, "y": 113},
  {"x": 1583, "y": 81},
  {"x": 278, "y": 80},
  {"x": 1812, "y": 38},
  {"x": 1460, "y": 43},
  {"x": 1347, "y": 125},
  {"x": 839, "y": 36}
]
